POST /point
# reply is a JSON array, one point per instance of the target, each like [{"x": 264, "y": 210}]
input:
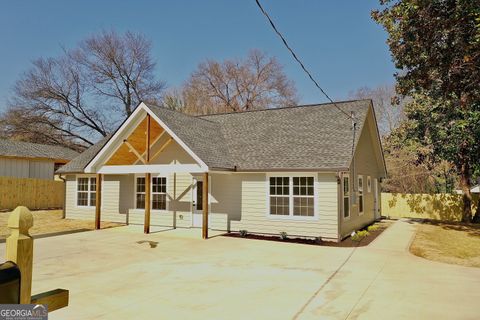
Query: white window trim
[
  {"x": 346, "y": 175},
  {"x": 369, "y": 184},
  {"x": 142, "y": 210},
  {"x": 290, "y": 175},
  {"x": 89, "y": 192},
  {"x": 362, "y": 197}
]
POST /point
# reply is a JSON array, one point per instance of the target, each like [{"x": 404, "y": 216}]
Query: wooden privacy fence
[
  {"x": 31, "y": 193},
  {"x": 439, "y": 206}
]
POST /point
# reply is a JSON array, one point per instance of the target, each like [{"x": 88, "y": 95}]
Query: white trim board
[
  {"x": 142, "y": 107},
  {"x": 152, "y": 168}
]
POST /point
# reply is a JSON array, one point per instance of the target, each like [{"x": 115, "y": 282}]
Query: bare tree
[
  {"x": 389, "y": 114},
  {"x": 257, "y": 82},
  {"x": 83, "y": 94}
]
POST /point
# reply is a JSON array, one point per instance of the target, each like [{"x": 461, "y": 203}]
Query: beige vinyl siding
[
  {"x": 118, "y": 195},
  {"x": 367, "y": 163},
  {"x": 239, "y": 201},
  {"x": 72, "y": 211}
]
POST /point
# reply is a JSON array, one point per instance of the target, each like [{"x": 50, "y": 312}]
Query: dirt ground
[
  {"x": 50, "y": 222},
  {"x": 453, "y": 243}
]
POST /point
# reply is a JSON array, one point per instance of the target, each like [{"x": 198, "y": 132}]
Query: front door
[{"x": 197, "y": 203}]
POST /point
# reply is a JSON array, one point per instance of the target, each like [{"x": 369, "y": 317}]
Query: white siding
[
  {"x": 118, "y": 195},
  {"x": 366, "y": 164},
  {"x": 239, "y": 201}
]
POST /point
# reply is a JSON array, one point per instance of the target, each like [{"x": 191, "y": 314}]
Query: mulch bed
[{"x": 346, "y": 243}]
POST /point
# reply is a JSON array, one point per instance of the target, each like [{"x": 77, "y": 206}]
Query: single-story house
[
  {"x": 300, "y": 170},
  {"x": 32, "y": 160}
]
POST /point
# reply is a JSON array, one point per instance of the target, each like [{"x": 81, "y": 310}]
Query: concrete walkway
[
  {"x": 385, "y": 281},
  {"x": 121, "y": 273}
]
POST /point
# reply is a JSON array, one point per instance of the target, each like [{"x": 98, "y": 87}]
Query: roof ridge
[
  {"x": 178, "y": 112},
  {"x": 283, "y": 108}
]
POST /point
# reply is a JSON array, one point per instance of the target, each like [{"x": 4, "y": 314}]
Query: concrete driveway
[{"x": 123, "y": 274}]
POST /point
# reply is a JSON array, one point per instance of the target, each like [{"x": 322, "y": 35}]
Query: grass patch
[
  {"x": 453, "y": 243},
  {"x": 50, "y": 221}
]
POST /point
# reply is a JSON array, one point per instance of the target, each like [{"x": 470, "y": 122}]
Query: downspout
[{"x": 64, "y": 195}]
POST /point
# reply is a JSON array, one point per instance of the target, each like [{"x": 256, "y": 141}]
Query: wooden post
[
  {"x": 146, "y": 225},
  {"x": 20, "y": 249},
  {"x": 98, "y": 201},
  {"x": 148, "y": 178},
  {"x": 205, "y": 206}
]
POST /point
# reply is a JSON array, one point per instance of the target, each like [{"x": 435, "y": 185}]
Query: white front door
[
  {"x": 197, "y": 203},
  {"x": 375, "y": 198}
]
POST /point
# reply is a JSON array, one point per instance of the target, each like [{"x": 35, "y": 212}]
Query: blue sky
[{"x": 337, "y": 40}]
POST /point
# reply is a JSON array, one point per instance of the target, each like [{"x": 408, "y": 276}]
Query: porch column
[
  {"x": 98, "y": 200},
  {"x": 146, "y": 224},
  {"x": 205, "y": 206}
]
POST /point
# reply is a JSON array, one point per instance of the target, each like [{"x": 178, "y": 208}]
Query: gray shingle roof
[
  {"x": 303, "y": 137},
  {"x": 202, "y": 136},
  {"x": 297, "y": 138},
  {"x": 78, "y": 164},
  {"x": 20, "y": 149}
]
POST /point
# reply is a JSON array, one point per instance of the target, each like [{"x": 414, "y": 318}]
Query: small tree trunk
[
  {"x": 467, "y": 195},
  {"x": 476, "y": 218}
]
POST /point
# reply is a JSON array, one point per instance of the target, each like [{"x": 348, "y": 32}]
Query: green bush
[
  {"x": 283, "y": 235},
  {"x": 243, "y": 233},
  {"x": 358, "y": 236},
  {"x": 372, "y": 228}
]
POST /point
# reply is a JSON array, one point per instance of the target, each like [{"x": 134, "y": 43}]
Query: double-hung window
[
  {"x": 158, "y": 193},
  {"x": 280, "y": 196},
  {"x": 303, "y": 196},
  {"x": 360, "y": 195},
  {"x": 86, "y": 191},
  {"x": 346, "y": 197},
  {"x": 292, "y": 196},
  {"x": 140, "y": 193}
]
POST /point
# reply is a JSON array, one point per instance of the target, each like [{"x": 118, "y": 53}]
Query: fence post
[{"x": 20, "y": 249}]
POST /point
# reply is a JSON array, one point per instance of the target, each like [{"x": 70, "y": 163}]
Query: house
[
  {"x": 474, "y": 189},
  {"x": 300, "y": 170},
  {"x": 32, "y": 160}
]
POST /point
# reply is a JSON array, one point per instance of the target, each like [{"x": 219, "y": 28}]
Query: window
[
  {"x": 140, "y": 193},
  {"x": 292, "y": 196},
  {"x": 346, "y": 197},
  {"x": 86, "y": 192},
  {"x": 159, "y": 193},
  {"x": 369, "y": 184},
  {"x": 303, "y": 196},
  {"x": 280, "y": 196},
  {"x": 360, "y": 195}
]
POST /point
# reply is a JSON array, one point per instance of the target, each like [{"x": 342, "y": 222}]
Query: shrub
[
  {"x": 358, "y": 236},
  {"x": 372, "y": 228},
  {"x": 283, "y": 235},
  {"x": 243, "y": 233}
]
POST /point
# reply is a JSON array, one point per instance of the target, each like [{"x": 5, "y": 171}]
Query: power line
[{"x": 301, "y": 63}]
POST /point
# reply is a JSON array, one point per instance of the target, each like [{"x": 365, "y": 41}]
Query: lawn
[
  {"x": 453, "y": 243},
  {"x": 50, "y": 222}
]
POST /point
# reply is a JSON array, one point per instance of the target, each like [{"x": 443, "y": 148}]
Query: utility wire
[{"x": 301, "y": 63}]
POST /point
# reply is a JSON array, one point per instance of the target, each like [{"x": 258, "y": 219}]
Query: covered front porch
[{"x": 156, "y": 166}]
